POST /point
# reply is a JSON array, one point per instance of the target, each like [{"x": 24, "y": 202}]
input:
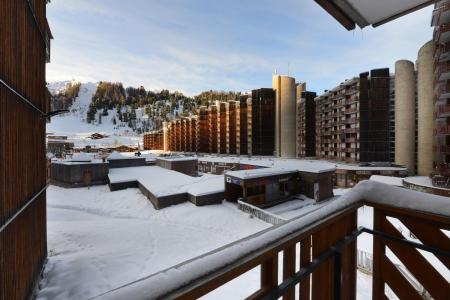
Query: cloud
[{"x": 199, "y": 45}]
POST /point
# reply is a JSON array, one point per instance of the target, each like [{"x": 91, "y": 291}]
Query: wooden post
[
  {"x": 305, "y": 259},
  {"x": 378, "y": 255},
  {"x": 269, "y": 273},
  {"x": 289, "y": 269}
]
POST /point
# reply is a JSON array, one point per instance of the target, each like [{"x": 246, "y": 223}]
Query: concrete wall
[
  {"x": 127, "y": 162},
  {"x": 425, "y": 108},
  {"x": 405, "y": 114},
  {"x": 72, "y": 175},
  {"x": 285, "y": 111},
  {"x": 188, "y": 167}
]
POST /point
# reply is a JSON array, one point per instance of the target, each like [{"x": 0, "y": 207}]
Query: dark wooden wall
[{"x": 23, "y": 242}]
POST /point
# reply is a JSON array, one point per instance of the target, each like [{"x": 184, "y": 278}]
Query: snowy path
[{"x": 99, "y": 240}]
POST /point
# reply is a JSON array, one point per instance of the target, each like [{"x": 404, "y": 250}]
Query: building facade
[
  {"x": 24, "y": 106},
  {"x": 352, "y": 120},
  {"x": 263, "y": 122},
  {"x": 245, "y": 126},
  {"x": 154, "y": 140},
  {"x": 441, "y": 142},
  {"x": 306, "y": 124}
]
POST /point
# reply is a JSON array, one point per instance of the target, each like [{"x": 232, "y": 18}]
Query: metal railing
[{"x": 260, "y": 213}]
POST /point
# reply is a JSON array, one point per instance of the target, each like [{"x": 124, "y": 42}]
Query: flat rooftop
[
  {"x": 259, "y": 173},
  {"x": 164, "y": 182},
  {"x": 304, "y": 165}
]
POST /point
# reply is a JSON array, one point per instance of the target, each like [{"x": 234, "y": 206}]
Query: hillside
[
  {"x": 74, "y": 123},
  {"x": 121, "y": 113}
]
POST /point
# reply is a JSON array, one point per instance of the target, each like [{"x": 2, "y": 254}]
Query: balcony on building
[
  {"x": 443, "y": 110},
  {"x": 442, "y": 149},
  {"x": 442, "y": 71},
  {"x": 442, "y": 90},
  {"x": 443, "y": 129},
  {"x": 441, "y": 14},
  {"x": 442, "y": 52},
  {"x": 441, "y": 34}
]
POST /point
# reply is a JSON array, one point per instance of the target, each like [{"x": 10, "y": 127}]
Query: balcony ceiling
[{"x": 370, "y": 12}]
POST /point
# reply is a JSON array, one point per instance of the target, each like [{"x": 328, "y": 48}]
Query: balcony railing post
[
  {"x": 378, "y": 255},
  {"x": 305, "y": 259},
  {"x": 289, "y": 269},
  {"x": 269, "y": 273},
  {"x": 337, "y": 275}
]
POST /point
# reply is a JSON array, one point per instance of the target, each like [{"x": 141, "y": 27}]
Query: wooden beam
[{"x": 337, "y": 13}]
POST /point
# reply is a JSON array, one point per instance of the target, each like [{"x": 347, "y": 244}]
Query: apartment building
[
  {"x": 240, "y": 127},
  {"x": 352, "y": 120},
  {"x": 24, "y": 107},
  {"x": 441, "y": 57},
  {"x": 154, "y": 140},
  {"x": 262, "y": 122},
  {"x": 306, "y": 124},
  {"x": 203, "y": 130}
]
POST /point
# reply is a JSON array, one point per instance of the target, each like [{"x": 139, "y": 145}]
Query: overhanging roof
[{"x": 370, "y": 12}]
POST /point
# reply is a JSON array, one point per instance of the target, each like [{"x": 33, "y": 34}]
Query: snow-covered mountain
[
  {"x": 74, "y": 123},
  {"x": 76, "y": 120},
  {"x": 114, "y": 111}
]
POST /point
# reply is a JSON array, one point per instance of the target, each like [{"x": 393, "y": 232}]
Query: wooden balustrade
[{"x": 325, "y": 267}]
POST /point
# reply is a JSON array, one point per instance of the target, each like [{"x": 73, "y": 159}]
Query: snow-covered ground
[{"x": 99, "y": 240}]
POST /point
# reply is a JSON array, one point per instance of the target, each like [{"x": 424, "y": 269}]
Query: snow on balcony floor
[{"x": 99, "y": 240}]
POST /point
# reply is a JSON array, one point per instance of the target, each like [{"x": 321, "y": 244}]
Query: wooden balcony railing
[{"x": 326, "y": 265}]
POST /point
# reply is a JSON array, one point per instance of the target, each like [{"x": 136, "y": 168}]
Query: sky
[{"x": 197, "y": 45}]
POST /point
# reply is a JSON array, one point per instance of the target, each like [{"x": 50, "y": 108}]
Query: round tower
[
  {"x": 425, "y": 108},
  {"x": 165, "y": 137},
  {"x": 285, "y": 110},
  {"x": 405, "y": 95}
]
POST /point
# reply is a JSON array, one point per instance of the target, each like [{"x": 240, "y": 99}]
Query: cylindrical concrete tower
[
  {"x": 165, "y": 136},
  {"x": 425, "y": 108},
  {"x": 405, "y": 95},
  {"x": 285, "y": 110}
]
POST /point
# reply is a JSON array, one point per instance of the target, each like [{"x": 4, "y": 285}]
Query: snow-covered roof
[
  {"x": 209, "y": 185},
  {"x": 302, "y": 165},
  {"x": 163, "y": 182},
  {"x": 183, "y": 275},
  {"x": 394, "y": 181},
  {"x": 82, "y": 157},
  {"x": 116, "y": 155},
  {"x": 258, "y": 173},
  {"x": 422, "y": 181}
]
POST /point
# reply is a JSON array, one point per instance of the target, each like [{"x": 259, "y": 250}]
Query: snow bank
[
  {"x": 394, "y": 181},
  {"x": 116, "y": 155},
  {"x": 209, "y": 185},
  {"x": 257, "y": 173},
  {"x": 166, "y": 281},
  {"x": 82, "y": 157},
  {"x": 98, "y": 240}
]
